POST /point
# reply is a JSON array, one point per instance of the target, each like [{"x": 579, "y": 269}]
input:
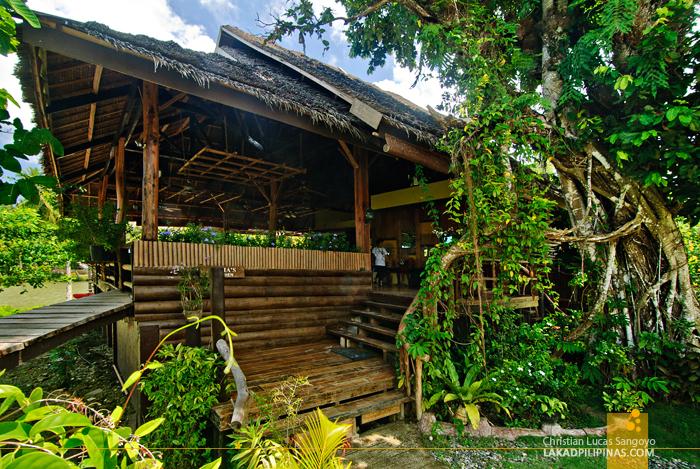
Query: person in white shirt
[{"x": 380, "y": 255}]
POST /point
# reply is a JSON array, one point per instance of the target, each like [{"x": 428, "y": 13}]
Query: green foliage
[
  {"x": 282, "y": 401},
  {"x": 251, "y": 447},
  {"x": 25, "y": 143},
  {"x": 182, "y": 392},
  {"x": 315, "y": 447},
  {"x": 207, "y": 235},
  {"x": 652, "y": 119},
  {"x": 627, "y": 395},
  {"x": 691, "y": 238},
  {"x": 87, "y": 225},
  {"x": 469, "y": 395},
  {"x": 67, "y": 433},
  {"x": 30, "y": 248}
]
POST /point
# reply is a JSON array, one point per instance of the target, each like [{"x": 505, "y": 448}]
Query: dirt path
[{"x": 397, "y": 445}]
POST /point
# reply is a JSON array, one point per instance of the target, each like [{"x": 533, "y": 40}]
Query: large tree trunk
[{"x": 644, "y": 246}]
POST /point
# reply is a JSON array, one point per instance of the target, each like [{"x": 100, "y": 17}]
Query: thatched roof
[
  {"x": 264, "y": 79},
  {"x": 396, "y": 110},
  {"x": 84, "y": 79}
]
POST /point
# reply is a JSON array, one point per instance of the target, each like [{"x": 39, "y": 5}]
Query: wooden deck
[
  {"x": 26, "y": 335},
  {"x": 344, "y": 388}
]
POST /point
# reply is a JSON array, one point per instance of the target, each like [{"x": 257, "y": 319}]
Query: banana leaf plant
[{"x": 470, "y": 394}]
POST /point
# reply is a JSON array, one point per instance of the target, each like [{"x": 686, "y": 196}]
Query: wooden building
[{"x": 251, "y": 136}]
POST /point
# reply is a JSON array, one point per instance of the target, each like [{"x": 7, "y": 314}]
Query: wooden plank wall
[
  {"x": 267, "y": 307},
  {"x": 159, "y": 254}
]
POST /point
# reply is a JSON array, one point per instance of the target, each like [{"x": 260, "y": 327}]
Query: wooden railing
[{"x": 166, "y": 254}]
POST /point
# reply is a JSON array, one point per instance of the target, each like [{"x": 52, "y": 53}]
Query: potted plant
[
  {"x": 194, "y": 281},
  {"x": 93, "y": 229}
]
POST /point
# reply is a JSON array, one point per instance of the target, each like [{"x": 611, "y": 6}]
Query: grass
[
  {"x": 670, "y": 425},
  {"x": 7, "y": 311},
  {"x": 676, "y": 426}
]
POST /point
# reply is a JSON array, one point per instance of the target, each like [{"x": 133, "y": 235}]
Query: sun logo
[{"x": 634, "y": 421}]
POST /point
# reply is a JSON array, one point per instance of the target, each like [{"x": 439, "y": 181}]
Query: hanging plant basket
[
  {"x": 192, "y": 304},
  {"x": 194, "y": 281},
  {"x": 192, "y": 315}
]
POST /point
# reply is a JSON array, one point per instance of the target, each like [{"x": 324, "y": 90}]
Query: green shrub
[
  {"x": 206, "y": 235},
  {"x": 182, "y": 391}
]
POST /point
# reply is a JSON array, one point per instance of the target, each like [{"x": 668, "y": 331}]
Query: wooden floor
[
  {"x": 344, "y": 388},
  {"x": 28, "y": 334}
]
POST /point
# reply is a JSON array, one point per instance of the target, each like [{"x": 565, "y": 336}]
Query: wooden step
[
  {"x": 373, "y": 314},
  {"x": 386, "y": 346},
  {"x": 368, "y": 409},
  {"x": 376, "y": 304},
  {"x": 370, "y": 327},
  {"x": 328, "y": 385}
]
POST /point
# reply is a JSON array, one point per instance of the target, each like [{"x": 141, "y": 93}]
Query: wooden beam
[
  {"x": 96, "y": 79},
  {"x": 91, "y": 129},
  {"x": 121, "y": 181},
  {"x": 85, "y": 99},
  {"x": 149, "y": 212},
  {"x": 348, "y": 154},
  {"x": 175, "y": 98},
  {"x": 408, "y": 151},
  {"x": 361, "y": 184}
]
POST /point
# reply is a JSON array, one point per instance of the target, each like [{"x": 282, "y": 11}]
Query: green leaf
[
  {"x": 55, "y": 421},
  {"x": 46, "y": 181},
  {"x": 117, "y": 414},
  {"x": 14, "y": 431},
  {"x": 672, "y": 113},
  {"x": 148, "y": 427},
  {"x": 28, "y": 190},
  {"x": 450, "y": 397},
  {"x": 132, "y": 379},
  {"x": 473, "y": 414},
  {"x": 39, "y": 460},
  {"x": 9, "y": 163},
  {"x": 212, "y": 465},
  {"x": 25, "y": 12},
  {"x": 623, "y": 155}
]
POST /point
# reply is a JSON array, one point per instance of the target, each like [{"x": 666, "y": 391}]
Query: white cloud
[
  {"x": 426, "y": 92},
  {"x": 225, "y": 11},
  {"x": 151, "y": 17}
]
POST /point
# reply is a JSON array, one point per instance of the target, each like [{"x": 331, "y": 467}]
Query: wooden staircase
[{"x": 374, "y": 324}]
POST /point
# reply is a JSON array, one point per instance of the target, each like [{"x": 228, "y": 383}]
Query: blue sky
[{"x": 195, "y": 24}]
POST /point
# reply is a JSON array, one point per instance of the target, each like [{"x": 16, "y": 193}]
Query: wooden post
[
  {"x": 217, "y": 303},
  {"x": 102, "y": 196},
  {"x": 361, "y": 199},
  {"x": 274, "y": 190},
  {"x": 149, "y": 208},
  {"x": 121, "y": 181},
  {"x": 193, "y": 336}
]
